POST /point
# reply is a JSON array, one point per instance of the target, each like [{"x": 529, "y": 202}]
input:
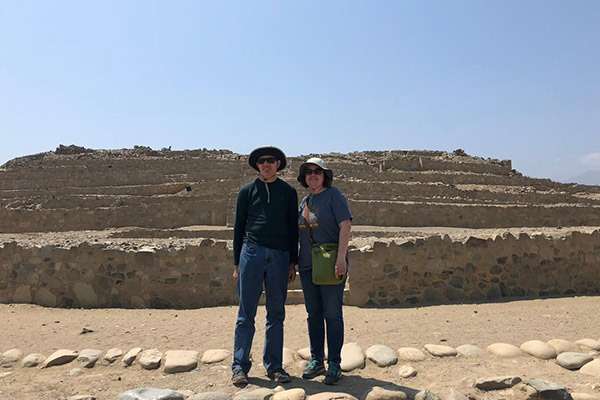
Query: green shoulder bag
[{"x": 324, "y": 257}]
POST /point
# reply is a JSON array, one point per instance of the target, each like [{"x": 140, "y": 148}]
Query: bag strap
[{"x": 306, "y": 224}]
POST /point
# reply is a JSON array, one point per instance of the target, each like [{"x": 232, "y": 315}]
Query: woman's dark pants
[{"x": 324, "y": 307}]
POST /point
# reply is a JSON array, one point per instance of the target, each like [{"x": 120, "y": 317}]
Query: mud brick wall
[{"x": 439, "y": 270}]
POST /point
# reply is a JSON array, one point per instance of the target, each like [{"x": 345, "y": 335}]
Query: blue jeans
[
  {"x": 269, "y": 267},
  {"x": 324, "y": 305}
]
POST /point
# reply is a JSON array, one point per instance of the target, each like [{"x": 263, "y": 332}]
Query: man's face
[{"x": 267, "y": 166}]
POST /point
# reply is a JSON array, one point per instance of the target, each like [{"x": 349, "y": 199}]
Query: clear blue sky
[{"x": 503, "y": 79}]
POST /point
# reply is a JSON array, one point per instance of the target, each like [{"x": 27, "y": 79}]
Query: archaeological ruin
[{"x": 146, "y": 228}]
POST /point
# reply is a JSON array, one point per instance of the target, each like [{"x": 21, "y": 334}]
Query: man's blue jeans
[
  {"x": 324, "y": 305},
  {"x": 269, "y": 267}
]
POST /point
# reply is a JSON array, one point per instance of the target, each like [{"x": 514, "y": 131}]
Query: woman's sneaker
[
  {"x": 333, "y": 375},
  {"x": 313, "y": 369}
]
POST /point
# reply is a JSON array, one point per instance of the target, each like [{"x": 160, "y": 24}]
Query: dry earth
[{"x": 37, "y": 329}]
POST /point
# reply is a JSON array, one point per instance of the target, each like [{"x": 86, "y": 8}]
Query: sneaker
[
  {"x": 313, "y": 369},
  {"x": 239, "y": 379},
  {"x": 279, "y": 376},
  {"x": 333, "y": 375}
]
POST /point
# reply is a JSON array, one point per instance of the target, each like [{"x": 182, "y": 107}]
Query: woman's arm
[{"x": 341, "y": 266}]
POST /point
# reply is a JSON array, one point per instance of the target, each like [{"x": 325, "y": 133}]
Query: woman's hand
[
  {"x": 236, "y": 272},
  {"x": 341, "y": 267}
]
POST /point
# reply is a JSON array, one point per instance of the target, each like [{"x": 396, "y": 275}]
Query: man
[{"x": 265, "y": 247}]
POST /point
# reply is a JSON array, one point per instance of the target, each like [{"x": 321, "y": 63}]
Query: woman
[{"x": 324, "y": 218}]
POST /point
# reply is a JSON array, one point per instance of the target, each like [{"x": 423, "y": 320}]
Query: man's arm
[
  {"x": 239, "y": 229},
  {"x": 293, "y": 233}
]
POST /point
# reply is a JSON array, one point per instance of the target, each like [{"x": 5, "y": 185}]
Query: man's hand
[
  {"x": 341, "y": 267},
  {"x": 292, "y": 272},
  {"x": 236, "y": 272}
]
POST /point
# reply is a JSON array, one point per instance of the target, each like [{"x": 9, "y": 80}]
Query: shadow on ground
[{"x": 355, "y": 385}]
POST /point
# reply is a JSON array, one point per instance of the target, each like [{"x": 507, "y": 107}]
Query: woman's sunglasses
[{"x": 315, "y": 171}]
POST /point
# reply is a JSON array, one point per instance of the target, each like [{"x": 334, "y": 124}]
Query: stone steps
[{"x": 173, "y": 212}]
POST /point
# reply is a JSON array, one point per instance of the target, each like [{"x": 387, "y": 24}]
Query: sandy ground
[{"x": 37, "y": 329}]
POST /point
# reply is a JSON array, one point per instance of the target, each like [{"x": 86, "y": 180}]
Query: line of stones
[{"x": 580, "y": 355}]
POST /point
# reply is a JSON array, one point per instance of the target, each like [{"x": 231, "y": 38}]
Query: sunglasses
[
  {"x": 315, "y": 171},
  {"x": 268, "y": 160}
]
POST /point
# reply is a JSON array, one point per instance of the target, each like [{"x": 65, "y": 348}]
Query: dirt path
[{"x": 38, "y": 329}]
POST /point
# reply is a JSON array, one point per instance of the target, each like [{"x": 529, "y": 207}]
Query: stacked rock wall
[
  {"x": 439, "y": 270},
  {"x": 99, "y": 275},
  {"x": 434, "y": 270}
]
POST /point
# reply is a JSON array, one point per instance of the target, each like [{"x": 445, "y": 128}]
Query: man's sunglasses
[
  {"x": 268, "y": 160},
  {"x": 315, "y": 171}
]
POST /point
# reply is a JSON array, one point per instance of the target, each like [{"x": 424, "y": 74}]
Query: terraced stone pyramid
[
  {"x": 80, "y": 189},
  {"x": 145, "y": 228}
]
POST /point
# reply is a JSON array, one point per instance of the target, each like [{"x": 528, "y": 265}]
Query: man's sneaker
[
  {"x": 279, "y": 376},
  {"x": 333, "y": 375},
  {"x": 239, "y": 379},
  {"x": 313, "y": 369}
]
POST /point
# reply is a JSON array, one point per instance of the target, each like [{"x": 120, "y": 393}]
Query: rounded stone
[
  {"x": 439, "y": 350},
  {"x": 88, "y": 357},
  {"x": 592, "y": 368},
  {"x": 112, "y": 355},
  {"x": 469, "y": 350},
  {"x": 150, "y": 359},
  {"x": 378, "y": 393},
  {"x": 10, "y": 357},
  {"x": 426, "y": 395},
  {"x": 381, "y": 355},
  {"x": 585, "y": 396},
  {"x": 352, "y": 357},
  {"x": 180, "y": 361},
  {"x": 539, "y": 349},
  {"x": 151, "y": 394},
  {"x": 256, "y": 394},
  {"x": 497, "y": 382},
  {"x": 291, "y": 394},
  {"x": 289, "y": 357},
  {"x": 562, "y": 346},
  {"x": 32, "y": 360},
  {"x": 60, "y": 357},
  {"x": 411, "y": 354},
  {"x": 590, "y": 344},
  {"x": 215, "y": 356},
  {"x": 82, "y": 397},
  {"x": 131, "y": 355},
  {"x": 570, "y": 360},
  {"x": 406, "y": 371},
  {"x": 504, "y": 350},
  {"x": 304, "y": 353}
]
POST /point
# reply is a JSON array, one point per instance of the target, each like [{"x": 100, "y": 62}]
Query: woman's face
[{"x": 314, "y": 177}]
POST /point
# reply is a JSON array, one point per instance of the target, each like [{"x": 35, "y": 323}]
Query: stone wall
[
  {"x": 412, "y": 214},
  {"x": 197, "y": 272},
  {"x": 172, "y": 212},
  {"x": 157, "y": 213},
  {"x": 100, "y": 275},
  {"x": 439, "y": 270}
]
